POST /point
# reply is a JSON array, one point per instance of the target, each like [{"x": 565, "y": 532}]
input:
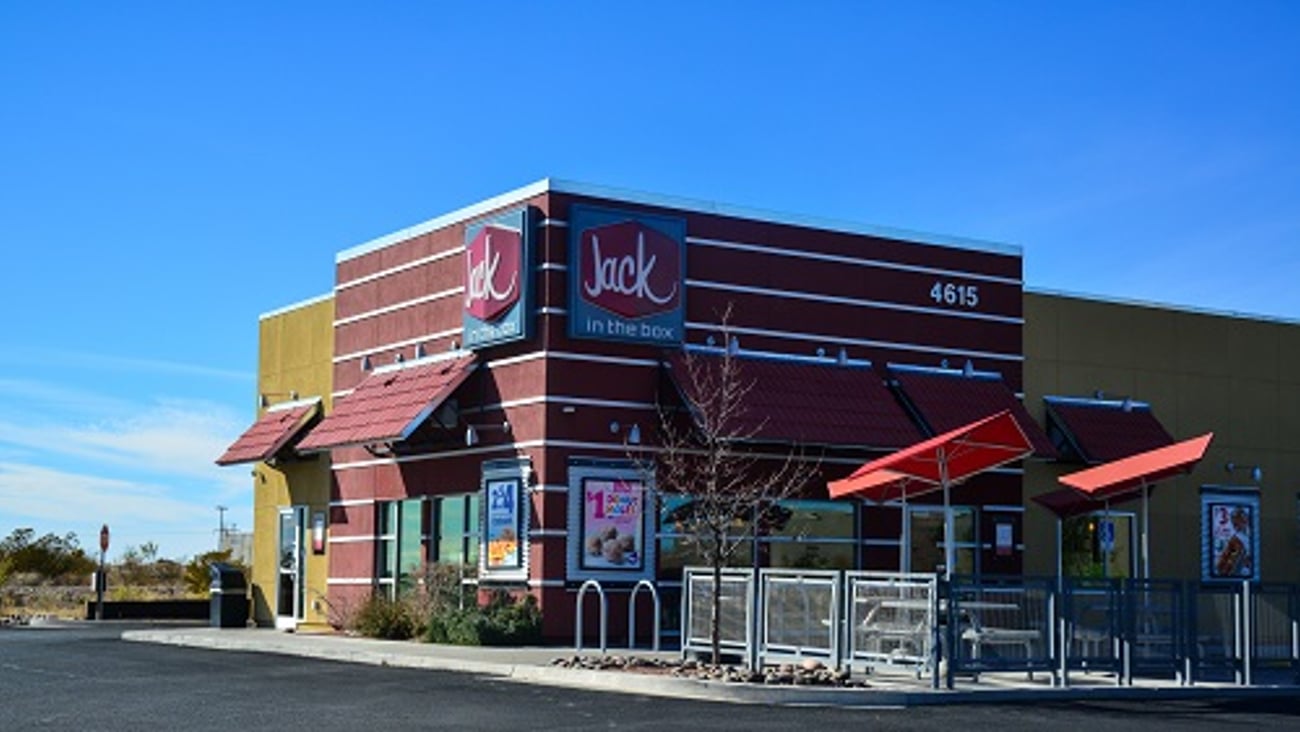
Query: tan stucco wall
[
  {"x": 295, "y": 348},
  {"x": 1234, "y": 376}
]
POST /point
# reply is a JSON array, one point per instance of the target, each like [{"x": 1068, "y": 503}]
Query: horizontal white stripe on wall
[
  {"x": 550, "y": 488},
  {"x": 855, "y": 261},
  {"x": 548, "y": 533},
  {"x": 618, "y": 447},
  {"x": 362, "y": 539},
  {"x": 352, "y": 502},
  {"x": 435, "y": 335},
  {"x": 546, "y": 583},
  {"x": 431, "y": 297},
  {"x": 852, "y": 301},
  {"x": 840, "y": 340},
  {"x": 353, "y": 581},
  {"x": 445, "y": 254}
]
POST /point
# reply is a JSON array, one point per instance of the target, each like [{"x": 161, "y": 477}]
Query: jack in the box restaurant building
[{"x": 471, "y": 391}]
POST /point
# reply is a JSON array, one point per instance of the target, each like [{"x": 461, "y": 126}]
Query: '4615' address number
[{"x": 955, "y": 295}]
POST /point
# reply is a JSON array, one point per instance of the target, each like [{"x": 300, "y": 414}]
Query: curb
[{"x": 337, "y": 649}]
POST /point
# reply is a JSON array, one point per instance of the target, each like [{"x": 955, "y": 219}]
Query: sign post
[{"x": 101, "y": 576}]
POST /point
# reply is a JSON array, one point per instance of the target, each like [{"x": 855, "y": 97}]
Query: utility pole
[{"x": 221, "y": 526}]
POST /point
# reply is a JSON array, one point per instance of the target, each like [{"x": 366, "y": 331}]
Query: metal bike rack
[
  {"x": 631, "y": 613},
  {"x": 604, "y": 612}
]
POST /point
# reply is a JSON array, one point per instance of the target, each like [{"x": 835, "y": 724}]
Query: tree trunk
[{"x": 715, "y": 612}]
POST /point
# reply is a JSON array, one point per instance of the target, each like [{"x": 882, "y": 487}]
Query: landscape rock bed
[{"x": 807, "y": 673}]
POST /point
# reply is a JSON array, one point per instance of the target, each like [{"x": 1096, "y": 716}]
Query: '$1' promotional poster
[{"x": 612, "y": 524}]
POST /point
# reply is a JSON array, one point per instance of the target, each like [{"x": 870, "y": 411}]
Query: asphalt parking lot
[{"x": 83, "y": 676}]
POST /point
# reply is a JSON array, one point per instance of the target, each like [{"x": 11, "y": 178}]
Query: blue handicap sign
[{"x": 1106, "y": 534}]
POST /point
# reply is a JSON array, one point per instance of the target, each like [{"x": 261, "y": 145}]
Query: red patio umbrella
[
  {"x": 940, "y": 462},
  {"x": 1133, "y": 476}
]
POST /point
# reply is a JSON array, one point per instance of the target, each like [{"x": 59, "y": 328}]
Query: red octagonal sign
[
  {"x": 630, "y": 269},
  {"x": 492, "y": 271}
]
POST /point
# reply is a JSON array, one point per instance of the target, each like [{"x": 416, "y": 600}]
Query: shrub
[
  {"x": 502, "y": 622},
  {"x": 380, "y": 617}
]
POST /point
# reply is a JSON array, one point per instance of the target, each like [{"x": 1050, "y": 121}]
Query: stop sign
[{"x": 103, "y": 538}]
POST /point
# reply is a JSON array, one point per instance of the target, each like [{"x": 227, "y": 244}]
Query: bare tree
[{"x": 708, "y": 455}]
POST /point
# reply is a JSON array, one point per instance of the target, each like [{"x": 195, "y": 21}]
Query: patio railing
[{"x": 1244, "y": 633}]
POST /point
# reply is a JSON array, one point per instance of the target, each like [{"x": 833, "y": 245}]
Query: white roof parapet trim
[
  {"x": 676, "y": 203},
  {"x": 297, "y": 305}
]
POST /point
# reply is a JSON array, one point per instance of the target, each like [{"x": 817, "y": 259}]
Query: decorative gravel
[{"x": 808, "y": 673}]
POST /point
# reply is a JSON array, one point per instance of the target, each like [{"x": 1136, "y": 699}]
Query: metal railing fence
[{"x": 1188, "y": 631}]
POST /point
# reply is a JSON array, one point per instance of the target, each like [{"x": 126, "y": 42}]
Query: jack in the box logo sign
[
  {"x": 627, "y": 276},
  {"x": 497, "y": 276},
  {"x": 492, "y": 272}
]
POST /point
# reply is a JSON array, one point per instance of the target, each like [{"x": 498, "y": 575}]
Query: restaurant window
[
  {"x": 678, "y": 548},
  {"x": 1098, "y": 545},
  {"x": 925, "y": 526},
  {"x": 805, "y": 534},
  {"x": 456, "y": 538},
  {"x": 399, "y": 543},
  {"x": 793, "y": 534}
]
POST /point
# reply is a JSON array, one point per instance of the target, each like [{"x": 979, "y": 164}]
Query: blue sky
[{"x": 169, "y": 171}]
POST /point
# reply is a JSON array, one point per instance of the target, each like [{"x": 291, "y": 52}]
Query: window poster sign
[
  {"x": 611, "y": 537},
  {"x": 1004, "y": 539},
  {"x": 503, "y": 520},
  {"x": 498, "y": 279},
  {"x": 503, "y": 498},
  {"x": 612, "y": 521},
  {"x": 318, "y": 533},
  {"x": 626, "y": 276},
  {"x": 1229, "y": 536}
]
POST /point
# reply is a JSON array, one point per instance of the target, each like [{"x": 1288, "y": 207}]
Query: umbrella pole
[
  {"x": 1105, "y": 551},
  {"x": 902, "y": 536},
  {"x": 1146, "y": 530},
  {"x": 949, "y": 551},
  {"x": 1060, "y": 549}
]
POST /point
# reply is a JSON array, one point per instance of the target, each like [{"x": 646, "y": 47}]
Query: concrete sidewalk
[{"x": 533, "y": 665}]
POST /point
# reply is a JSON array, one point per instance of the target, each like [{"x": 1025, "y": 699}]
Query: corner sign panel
[
  {"x": 506, "y": 500},
  {"x": 611, "y": 534},
  {"x": 627, "y": 276},
  {"x": 499, "y": 279}
]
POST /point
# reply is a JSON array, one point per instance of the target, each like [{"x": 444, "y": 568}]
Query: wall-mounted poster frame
[
  {"x": 611, "y": 529},
  {"x": 505, "y": 507},
  {"x": 1229, "y": 534}
]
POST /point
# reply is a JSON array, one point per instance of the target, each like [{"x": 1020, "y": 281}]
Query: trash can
[{"x": 229, "y": 591}]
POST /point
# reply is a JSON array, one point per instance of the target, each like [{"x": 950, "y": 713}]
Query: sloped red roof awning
[
  {"x": 805, "y": 402},
  {"x": 1100, "y": 430},
  {"x": 1132, "y": 473},
  {"x": 272, "y": 432},
  {"x": 946, "y": 399},
  {"x": 950, "y": 457},
  {"x": 389, "y": 404}
]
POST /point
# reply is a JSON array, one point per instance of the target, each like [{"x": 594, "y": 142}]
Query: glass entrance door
[
  {"x": 292, "y": 565},
  {"x": 1099, "y": 545},
  {"x": 925, "y": 539}
]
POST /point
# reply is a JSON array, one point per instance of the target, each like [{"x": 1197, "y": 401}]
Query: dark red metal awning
[
  {"x": 272, "y": 432},
  {"x": 949, "y": 458},
  {"x": 1101, "y": 430},
  {"x": 805, "y": 402},
  {"x": 946, "y": 399},
  {"x": 389, "y": 404},
  {"x": 1132, "y": 473}
]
